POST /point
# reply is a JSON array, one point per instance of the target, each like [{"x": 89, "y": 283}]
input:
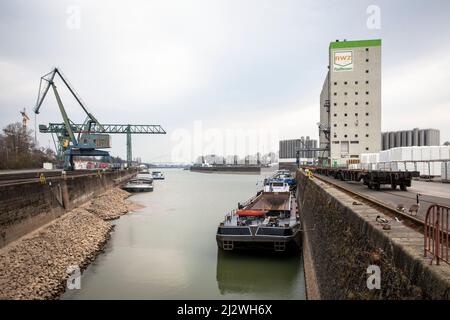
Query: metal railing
[{"x": 436, "y": 238}]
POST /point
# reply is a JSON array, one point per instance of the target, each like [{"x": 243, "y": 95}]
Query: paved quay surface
[{"x": 430, "y": 193}]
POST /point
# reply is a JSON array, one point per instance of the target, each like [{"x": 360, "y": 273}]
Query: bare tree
[{"x": 18, "y": 149}]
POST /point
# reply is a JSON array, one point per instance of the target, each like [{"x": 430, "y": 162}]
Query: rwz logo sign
[{"x": 343, "y": 61}]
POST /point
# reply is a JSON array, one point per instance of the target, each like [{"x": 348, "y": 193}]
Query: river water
[{"x": 167, "y": 249}]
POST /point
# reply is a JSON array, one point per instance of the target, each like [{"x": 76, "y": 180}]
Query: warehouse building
[
  {"x": 350, "y": 101},
  {"x": 289, "y": 148},
  {"x": 409, "y": 138}
]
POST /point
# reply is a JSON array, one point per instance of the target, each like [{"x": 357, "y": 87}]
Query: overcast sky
[{"x": 217, "y": 66}]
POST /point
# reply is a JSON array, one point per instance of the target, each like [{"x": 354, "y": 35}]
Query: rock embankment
[
  {"x": 36, "y": 266},
  {"x": 110, "y": 205}
]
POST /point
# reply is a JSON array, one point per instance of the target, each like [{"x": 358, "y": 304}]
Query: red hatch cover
[{"x": 255, "y": 213}]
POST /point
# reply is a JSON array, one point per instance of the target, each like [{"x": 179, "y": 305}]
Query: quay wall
[
  {"x": 26, "y": 206},
  {"x": 343, "y": 239}
]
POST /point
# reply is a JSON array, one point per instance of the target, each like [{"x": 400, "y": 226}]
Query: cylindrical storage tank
[
  {"x": 409, "y": 135},
  {"x": 427, "y": 137},
  {"x": 415, "y": 137},
  {"x": 434, "y": 137},
  {"x": 398, "y": 139},
  {"x": 314, "y": 145},
  {"x": 391, "y": 140},
  {"x": 403, "y": 141},
  {"x": 301, "y": 147},
  {"x": 384, "y": 139},
  {"x": 308, "y": 145},
  {"x": 280, "y": 150},
  {"x": 421, "y": 138},
  {"x": 292, "y": 154}
]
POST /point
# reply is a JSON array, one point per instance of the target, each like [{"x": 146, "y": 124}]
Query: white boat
[
  {"x": 276, "y": 186},
  {"x": 144, "y": 171},
  {"x": 139, "y": 185},
  {"x": 158, "y": 175}
]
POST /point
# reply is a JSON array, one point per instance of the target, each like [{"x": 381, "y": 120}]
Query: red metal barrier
[{"x": 436, "y": 238}]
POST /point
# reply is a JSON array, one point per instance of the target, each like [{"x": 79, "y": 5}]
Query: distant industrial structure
[
  {"x": 350, "y": 102},
  {"x": 289, "y": 148},
  {"x": 409, "y": 138}
]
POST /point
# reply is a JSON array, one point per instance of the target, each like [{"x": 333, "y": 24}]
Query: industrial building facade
[
  {"x": 409, "y": 138},
  {"x": 350, "y": 101},
  {"x": 289, "y": 148}
]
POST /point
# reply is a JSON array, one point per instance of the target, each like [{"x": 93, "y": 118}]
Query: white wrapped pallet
[
  {"x": 375, "y": 158},
  {"x": 385, "y": 155},
  {"x": 430, "y": 169},
  {"x": 436, "y": 171},
  {"x": 394, "y": 154},
  {"x": 434, "y": 153},
  {"x": 364, "y": 158},
  {"x": 369, "y": 157},
  {"x": 405, "y": 153},
  {"x": 410, "y": 166},
  {"x": 423, "y": 168},
  {"x": 444, "y": 152},
  {"x": 426, "y": 153},
  {"x": 416, "y": 153},
  {"x": 420, "y": 168},
  {"x": 443, "y": 171},
  {"x": 392, "y": 166}
]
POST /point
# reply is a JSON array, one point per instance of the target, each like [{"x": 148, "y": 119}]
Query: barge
[
  {"x": 268, "y": 221},
  {"x": 158, "y": 175},
  {"x": 139, "y": 185},
  {"x": 247, "y": 169}
]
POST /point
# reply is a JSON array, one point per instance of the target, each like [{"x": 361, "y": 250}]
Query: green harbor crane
[
  {"x": 91, "y": 135},
  {"x": 128, "y": 129}
]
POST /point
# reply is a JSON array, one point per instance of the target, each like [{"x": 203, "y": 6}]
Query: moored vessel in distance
[
  {"x": 144, "y": 171},
  {"x": 268, "y": 221},
  {"x": 158, "y": 175},
  {"x": 139, "y": 185}
]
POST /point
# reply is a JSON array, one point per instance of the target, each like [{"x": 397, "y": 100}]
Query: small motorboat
[
  {"x": 158, "y": 175},
  {"x": 139, "y": 185},
  {"x": 144, "y": 171}
]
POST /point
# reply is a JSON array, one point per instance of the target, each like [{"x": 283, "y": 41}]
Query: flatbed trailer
[{"x": 371, "y": 178}]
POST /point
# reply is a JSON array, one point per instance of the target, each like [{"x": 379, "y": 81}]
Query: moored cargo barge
[{"x": 268, "y": 221}]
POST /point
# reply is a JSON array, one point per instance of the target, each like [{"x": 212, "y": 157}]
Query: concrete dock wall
[
  {"x": 344, "y": 239},
  {"x": 25, "y": 207}
]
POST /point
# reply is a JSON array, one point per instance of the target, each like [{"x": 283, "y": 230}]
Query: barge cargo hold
[{"x": 268, "y": 221}]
